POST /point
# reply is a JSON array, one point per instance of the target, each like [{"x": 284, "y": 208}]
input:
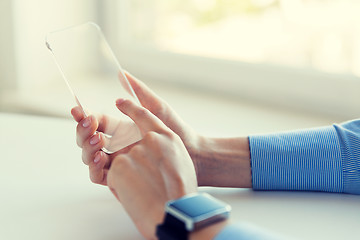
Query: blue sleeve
[
  {"x": 244, "y": 231},
  {"x": 320, "y": 159}
]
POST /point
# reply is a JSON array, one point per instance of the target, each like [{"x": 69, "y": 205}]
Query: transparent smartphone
[{"x": 95, "y": 79}]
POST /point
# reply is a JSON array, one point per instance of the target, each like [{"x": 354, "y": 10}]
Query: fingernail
[
  {"x": 95, "y": 139},
  {"x": 97, "y": 158},
  {"x": 86, "y": 122},
  {"x": 120, "y": 101}
]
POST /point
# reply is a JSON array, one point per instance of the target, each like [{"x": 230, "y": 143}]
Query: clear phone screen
[{"x": 96, "y": 79}]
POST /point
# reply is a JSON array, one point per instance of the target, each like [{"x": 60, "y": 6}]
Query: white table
[{"x": 46, "y": 194}]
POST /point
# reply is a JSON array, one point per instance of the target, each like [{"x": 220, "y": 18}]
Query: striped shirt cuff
[
  {"x": 299, "y": 160},
  {"x": 349, "y": 137}
]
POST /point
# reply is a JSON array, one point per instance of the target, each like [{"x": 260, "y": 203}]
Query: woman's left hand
[{"x": 155, "y": 170}]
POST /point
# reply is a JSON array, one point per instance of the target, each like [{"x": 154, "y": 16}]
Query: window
[
  {"x": 29, "y": 78},
  {"x": 318, "y": 34},
  {"x": 298, "y": 53},
  {"x": 295, "y": 53}
]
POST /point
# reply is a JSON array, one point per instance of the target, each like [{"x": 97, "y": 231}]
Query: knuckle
[
  {"x": 159, "y": 109},
  {"x": 151, "y": 138},
  {"x": 150, "y": 135},
  {"x": 141, "y": 112},
  {"x": 119, "y": 163},
  {"x": 94, "y": 179},
  {"x": 94, "y": 176},
  {"x": 85, "y": 155},
  {"x": 78, "y": 143},
  {"x": 136, "y": 150},
  {"x": 78, "y": 135},
  {"x": 84, "y": 158},
  {"x": 170, "y": 134},
  {"x": 79, "y": 127}
]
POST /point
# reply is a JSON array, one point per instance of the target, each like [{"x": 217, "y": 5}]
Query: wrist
[
  {"x": 194, "y": 216},
  {"x": 209, "y": 232},
  {"x": 195, "y": 151},
  {"x": 223, "y": 162}
]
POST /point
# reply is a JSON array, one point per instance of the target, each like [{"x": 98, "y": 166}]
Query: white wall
[
  {"x": 32, "y": 21},
  {"x": 7, "y": 61}
]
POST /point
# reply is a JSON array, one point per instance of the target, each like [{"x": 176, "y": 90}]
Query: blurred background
[
  {"x": 262, "y": 64},
  {"x": 228, "y": 67}
]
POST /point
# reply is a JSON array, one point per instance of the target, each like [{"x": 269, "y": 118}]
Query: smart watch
[{"x": 190, "y": 213}]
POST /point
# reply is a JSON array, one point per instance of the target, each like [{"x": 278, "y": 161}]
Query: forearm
[{"x": 223, "y": 162}]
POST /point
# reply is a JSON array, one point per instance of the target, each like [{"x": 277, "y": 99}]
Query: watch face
[
  {"x": 197, "y": 210},
  {"x": 197, "y": 205}
]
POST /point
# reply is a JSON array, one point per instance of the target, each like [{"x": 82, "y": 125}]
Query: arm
[
  {"x": 278, "y": 156},
  {"x": 214, "y": 157},
  {"x": 319, "y": 159}
]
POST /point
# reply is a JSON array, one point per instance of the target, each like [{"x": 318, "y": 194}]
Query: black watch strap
[{"x": 172, "y": 229}]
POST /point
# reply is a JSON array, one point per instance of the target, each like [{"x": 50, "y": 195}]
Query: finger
[
  {"x": 146, "y": 96},
  {"x": 103, "y": 122},
  {"x": 85, "y": 129},
  {"x": 103, "y": 159},
  {"x": 77, "y": 113},
  {"x": 91, "y": 146},
  {"x": 98, "y": 170},
  {"x": 142, "y": 117}
]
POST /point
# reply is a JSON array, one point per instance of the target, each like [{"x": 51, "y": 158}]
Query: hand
[
  {"x": 168, "y": 116},
  {"x": 218, "y": 162},
  {"x": 157, "y": 169},
  {"x": 91, "y": 141}
]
